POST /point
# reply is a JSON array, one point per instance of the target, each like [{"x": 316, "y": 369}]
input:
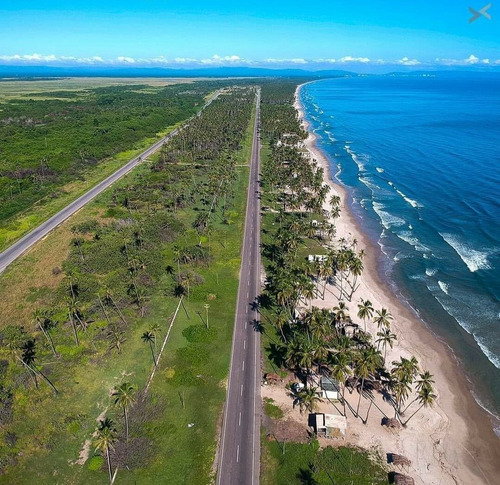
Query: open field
[
  {"x": 11, "y": 88},
  {"x": 43, "y": 434}
]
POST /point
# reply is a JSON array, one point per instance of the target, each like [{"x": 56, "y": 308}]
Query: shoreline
[{"x": 452, "y": 442}]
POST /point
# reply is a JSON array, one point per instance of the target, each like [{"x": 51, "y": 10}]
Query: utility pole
[{"x": 207, "y": 306}]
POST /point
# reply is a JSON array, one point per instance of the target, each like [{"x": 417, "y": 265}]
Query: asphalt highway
[
  {"x": 25, "y": 243},
  {"x": 239, "y": 452}
]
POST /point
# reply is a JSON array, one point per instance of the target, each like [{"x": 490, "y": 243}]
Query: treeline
[
  {"x": 45, "y": 143},
  {"x": 118, "y": 264}
]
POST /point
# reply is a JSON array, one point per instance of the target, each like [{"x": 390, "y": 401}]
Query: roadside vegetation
[
  {"x": 157, "y": 254},
  {"x": 289, "y": 463},
  {"x": 57, "y": 144},
  {"x": 304, "y": 262}
]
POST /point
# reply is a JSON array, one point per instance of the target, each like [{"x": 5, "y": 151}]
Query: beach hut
[
  {"x": 398, "y": 460},
  {"x": 400, "y": 479},
  {"x": 392, "y": 423},
  {"x": 328, "y": 425},
  {"x": 272, "y": 378},
  {"x": 329, "y": 387}
]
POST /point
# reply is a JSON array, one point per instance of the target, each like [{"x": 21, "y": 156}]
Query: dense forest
[{"x": 49, "y": 139}]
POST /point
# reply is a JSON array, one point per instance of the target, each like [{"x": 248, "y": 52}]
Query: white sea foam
[
  {"x": 444, "y": 286},
  {"x": 379, "y": 170},
  {"x": 473, "y": 258},
  {"x": 412, "y": 202},
  {"x": 399, "y": 256},
  {"x": 388, "y": 220},
  {"x": 494, "y": 359},
  {"x": 430, "y": 271},
  {"x": 356, "y": 158},
  {"x": 369, "y": 183},
  {"x": 451, "y": 310},
  {"x": 412, "y": 240}
]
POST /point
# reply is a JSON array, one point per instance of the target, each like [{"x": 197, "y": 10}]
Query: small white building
[
  {"x": 330, "y": 425},
  {"x": 330, "y": 388},
  {"x": 317, "y": 258}
]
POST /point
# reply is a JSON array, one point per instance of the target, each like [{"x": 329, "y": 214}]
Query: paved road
[
  {"x": 239, "y": 458},
  {"x": 21, "y": 246}
]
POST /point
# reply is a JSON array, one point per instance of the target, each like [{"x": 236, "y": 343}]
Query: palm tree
[
  {"x": 356, "y": 268},
  {"x": 155, "y": 330},
  {"x": 148, "y": 337},
  {"x": 340, "y": 372},
  {"x": 105, "y": 439},
  {"x": 28, "y": 359},
  {"x": 386, "y": 338},
  {"x": 425, "y": 381},
  {"x": 369, "y": 360},
  {"x": 341, "y": 312},
  {"x": 426, "y": 398},
  {"x": 365, "y": 310},
  {"x": 401, "y": 389},
  {"x": 307, "y": 398},
  {"x": 124, "y": 396},
  {"x": 383, "y": 318},
  {"x": 45, "y": 324}
]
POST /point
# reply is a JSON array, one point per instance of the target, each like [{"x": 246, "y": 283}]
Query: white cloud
[
  {"x": 362, "y": 60},
  {"x": 405, "y": 61},
  {"x": 126, "y": 60},
  {"x": 235, "y": 60},
  {"x": 185, "y": 60},
  {"x": 216, "y": 59},
  {"x": 295, "y": 60},
  {"x": 472, "y": 59}
]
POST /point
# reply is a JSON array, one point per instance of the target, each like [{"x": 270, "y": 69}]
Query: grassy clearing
[
  {"x": 271, "y": 409},
  {"x": 35, "y": 88},
  {"x": 293, "y": 463}
]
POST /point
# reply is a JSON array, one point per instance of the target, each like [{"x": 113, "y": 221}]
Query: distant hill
[{"x": 51, "y": 71}]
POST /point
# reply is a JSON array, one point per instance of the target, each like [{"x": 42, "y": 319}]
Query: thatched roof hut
[
  {"x": 391, "y": 423},
  {"x": 272, "y": 378},
  {"x": 400, "y": 479},
  {"x": 400, "y": 460}
]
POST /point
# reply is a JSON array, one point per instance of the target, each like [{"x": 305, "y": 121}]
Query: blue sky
[{"x": 309, "y": 34}]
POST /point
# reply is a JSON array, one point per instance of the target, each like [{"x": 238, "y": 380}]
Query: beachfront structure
[
  {"x": 317, "y": 258},
  {"x": 329, "y": 425},
  {"x": 329, "y": 387}
]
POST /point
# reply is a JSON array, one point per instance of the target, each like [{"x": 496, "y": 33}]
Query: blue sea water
[{"x": 420, "y": 157}]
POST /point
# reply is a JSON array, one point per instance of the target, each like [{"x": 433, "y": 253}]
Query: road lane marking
[
  {"x": 238, "y": 454},
  {"x": 239, "y": 420},
  {"x": 244, "y": 344},
  {"x": 243, "y": 366},
  {"x": 241, "y": 391},
  {"x": 246, "y": 324}
]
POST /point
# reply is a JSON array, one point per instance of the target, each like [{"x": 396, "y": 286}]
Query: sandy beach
[{"x": 452, "y": 442}]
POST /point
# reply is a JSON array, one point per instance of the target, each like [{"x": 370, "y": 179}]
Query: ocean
[{"x": 420, "y": 157}]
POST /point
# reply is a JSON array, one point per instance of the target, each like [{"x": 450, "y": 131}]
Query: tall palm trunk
[
  {"x": 109, "y": 466},
  {"x": 152, "y": 353},
  {"x": 360, "y": 394},
  {"x": 406, "y": 422},
  {"x": 49, "y": 338},
  {"x": 75, "y": 331},
  {"x": 126, "y": 422}
]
